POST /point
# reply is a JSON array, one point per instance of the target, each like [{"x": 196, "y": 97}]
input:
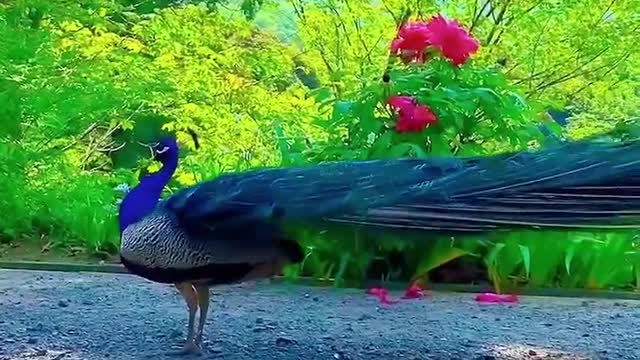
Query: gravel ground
[{"x": 64, "y": 316}]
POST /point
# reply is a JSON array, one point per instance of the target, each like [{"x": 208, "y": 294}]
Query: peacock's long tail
[{"x": 586, "y": 185}]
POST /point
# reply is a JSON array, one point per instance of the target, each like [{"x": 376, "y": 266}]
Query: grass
[{"x": 43, "y": 250}]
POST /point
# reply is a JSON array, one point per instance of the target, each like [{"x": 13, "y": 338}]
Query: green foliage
[
  {"x": 564, "y": 54},
  {"x": 90, "y": 81},
  {"x": 477, "y": 111}
]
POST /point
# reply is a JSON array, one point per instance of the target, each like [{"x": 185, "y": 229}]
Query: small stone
[
  {"x": 532, "y": 353},
  {"x": 365, "y": 317},
  {"x": 486, "y": 357},
  {"x": 63, "y": 303},
  {"x": 216, "y": 350},
  {"x": 87, "y": 302},
  {"x": 315, "y": 298},
  {"x": 32, "y": 340},
  {"x": 585, "y": 335},
  {"x": 284, "y": 341},
  {"x": 43, "y": 352},
  {"x": 37, "y": 328}
]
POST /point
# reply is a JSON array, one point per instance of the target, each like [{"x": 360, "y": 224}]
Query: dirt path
[{"x": 45, "y": 316}]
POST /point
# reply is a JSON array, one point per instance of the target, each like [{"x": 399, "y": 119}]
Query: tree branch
[
  {"x": 598, "y": 78},
  {"x": 573, "y": 73},
  {"x": 498, "y": 22},
  {"x": 478, "y": 15}
]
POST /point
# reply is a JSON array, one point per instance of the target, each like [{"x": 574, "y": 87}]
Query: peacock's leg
[
  {"x": 203, "y": 303},
  {"x": 189, "y": 294}
]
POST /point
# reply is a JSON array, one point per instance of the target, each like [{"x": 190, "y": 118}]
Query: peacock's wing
[
  {"x": 240, "y": 217},
  {"x": 310, "y": 192}
]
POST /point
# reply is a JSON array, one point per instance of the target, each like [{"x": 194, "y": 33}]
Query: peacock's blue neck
[{"x": 142, "y": 200}]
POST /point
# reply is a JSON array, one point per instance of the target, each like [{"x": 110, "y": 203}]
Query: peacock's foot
[
  {"x": 198, "y": 340},
  {"x": 189, "y": 348}
]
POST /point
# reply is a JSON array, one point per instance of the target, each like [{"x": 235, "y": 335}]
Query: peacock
[{"x": 234, "y": 228}]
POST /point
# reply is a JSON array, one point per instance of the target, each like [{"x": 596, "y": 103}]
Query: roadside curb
[
  {"x": 460, "y": 288},
  {"x": 63, "y": 267}
]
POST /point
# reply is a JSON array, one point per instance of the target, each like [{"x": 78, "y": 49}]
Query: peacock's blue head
[{"x": 165, "y": 150}]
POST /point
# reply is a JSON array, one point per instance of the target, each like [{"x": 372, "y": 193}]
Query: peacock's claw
[
  {"x": 190, "y": 348},
  {"x": 198, "y": 341}
]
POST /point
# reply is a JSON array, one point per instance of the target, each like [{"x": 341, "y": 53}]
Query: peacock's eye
[{"x": 163, "y": 150}]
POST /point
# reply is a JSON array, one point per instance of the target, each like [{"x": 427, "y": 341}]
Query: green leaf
[
  {"x": 526, "y": 257},
  {"x": 322, "y": 94},
  {"x": 381, "y": 143},
  {"x": 341, "y": 111},
  {"x": 554, "y": 128},
  {"x": 342, "y": 268},
  {"x": 568, "y": 258},
  {"x": 399, "y": 150},
  {"x": 439, "y": 146},
  {"x": 493, "y": 254},
  {"x": 471, "y": 149},
  {"x": 487, "y": 95}
]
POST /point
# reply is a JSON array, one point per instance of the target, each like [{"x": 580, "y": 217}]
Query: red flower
[
  {"x": 383, "y": 295},
  {"x": 452, "y": 40},
  {"x": 413, "y": 117},
  {"x": 495, "y": 298},
  {"x": 412, "y": 41},
  {"x": 449, "y": 37},
  {"x": 415, "y": 292}
]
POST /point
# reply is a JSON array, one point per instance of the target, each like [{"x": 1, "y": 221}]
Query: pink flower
[
  {"x": 383, "y": 295},
  {"x": 412, "y": 117},
  {"x": 411, "y": 43},
  {"x": 452, "y": 40},
  {"x": 415, "y": 292},
  {"x": 495, "y": 298},
  {"x": 449, "y": 37}
]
